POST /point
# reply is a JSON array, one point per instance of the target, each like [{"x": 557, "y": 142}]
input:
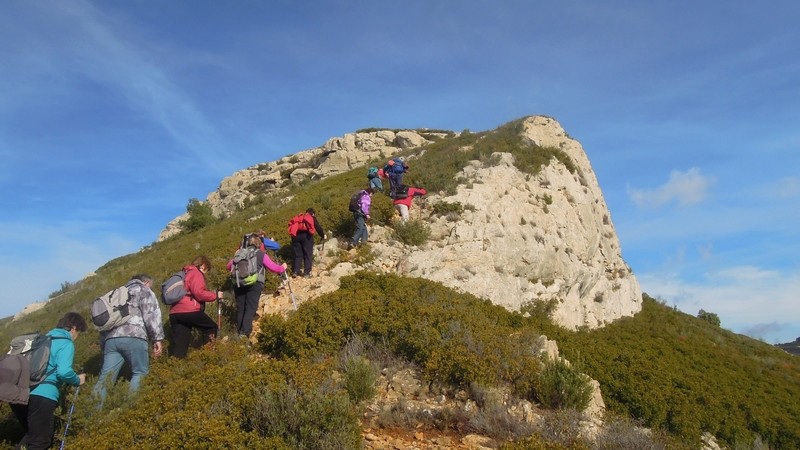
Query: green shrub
[
  {"x": 561, "y": 428},
  {"x": 360, "y": 378},
  {"x": 450, "y": 336},
  {"x": 709, "y": 317},
  {"x": 560, "y": 386},
  {"x": 619, "y": 433},
  {"x": 444, "y": 208},
  {"x": 243, "y": 402},
  {"x": 65, "y": 287},
  {"x": 200, "y": 216},
  {"x": 494, "y": 420},
  {"x": 305, "y": 418},
  {"x": 412, "y": 232}
]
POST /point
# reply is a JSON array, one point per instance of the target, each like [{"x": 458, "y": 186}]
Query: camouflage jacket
[{"x": 146, "y": 320}]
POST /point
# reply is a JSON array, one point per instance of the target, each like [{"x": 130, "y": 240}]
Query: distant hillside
[
  {"x": 376, "y": 356},
  {"x": 791, "y": 347}
]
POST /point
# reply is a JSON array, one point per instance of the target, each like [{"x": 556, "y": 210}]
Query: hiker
[
  {"x": 247, "y": 295},
  {"x": 403, "y": 198},
  {"x": 267, "y": 243},
  {"x": 189, "y": 313},
  {"x": 361, "y": 215},
  {"x": 395, "y": 169},
  {"x": 374, "y": 177},
  {"x": 129, "y": 341},
  {"x": 38, "y": 416},
  {"x": 302, "y": 229}
]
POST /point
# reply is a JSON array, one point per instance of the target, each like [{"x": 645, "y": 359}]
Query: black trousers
[
  {"x": 303, "y": 248},
  {"x": 38, "y": 421},
  {"x": 246, "y": 307},
  {"x": 182, "y": 325}
]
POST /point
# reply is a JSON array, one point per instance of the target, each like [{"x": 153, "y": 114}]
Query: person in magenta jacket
[
  {"x": 189, "y": 312},
  {"x": 247, "y": 296},
  {"x": 360, "y": 216},
  {"x": 402, "y": 205}
]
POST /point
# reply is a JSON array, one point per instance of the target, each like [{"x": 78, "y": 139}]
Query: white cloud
[
  {"x": 686, "y": 188},
  {"x": 53, "y": 254},
  {"x": 788, "y": 187},
  {"x": 749, "y": 300}
]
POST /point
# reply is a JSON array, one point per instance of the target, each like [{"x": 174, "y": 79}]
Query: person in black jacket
[{"x": 303, "y": 247}]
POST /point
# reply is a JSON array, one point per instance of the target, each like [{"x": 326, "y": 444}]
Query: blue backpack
[{"x": 398, "y": 166}]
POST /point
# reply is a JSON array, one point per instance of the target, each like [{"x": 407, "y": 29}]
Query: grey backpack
[
  {"x": 112, "y": 309},
  {"x": 35, "y": 349},
  {"x": 174, "y": 289}
]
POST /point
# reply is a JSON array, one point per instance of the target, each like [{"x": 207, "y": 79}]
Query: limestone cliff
[{"x": 528, "y": 238}]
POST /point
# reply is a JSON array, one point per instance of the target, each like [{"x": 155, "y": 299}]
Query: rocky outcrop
[
  {"x": 337, "y": 155},
  {"x": 533, "y": 238}
]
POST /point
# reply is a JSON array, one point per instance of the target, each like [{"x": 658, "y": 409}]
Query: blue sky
[{"x": 114, "y": 114}]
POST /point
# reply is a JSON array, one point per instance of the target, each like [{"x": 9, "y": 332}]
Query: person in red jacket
[
  {"x": 188, "y": 312},
  {"x": 402, "y": 205}
]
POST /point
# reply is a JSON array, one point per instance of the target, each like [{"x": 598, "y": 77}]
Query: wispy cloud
[
  {"x": 63, "y": 252},
  {"x": 89, "y": 55},
  {"x": 685, "y": 188},
  {"x": 788, "y": 187}
]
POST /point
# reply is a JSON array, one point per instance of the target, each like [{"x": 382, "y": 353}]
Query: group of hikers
[
  {"x": 142, "y": 332},
  {"x": 402, "y": 196}
]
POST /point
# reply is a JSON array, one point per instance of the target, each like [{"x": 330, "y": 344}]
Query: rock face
[
  {"x": 521, "y": 239},
  {"x": 544, "y": 237}
]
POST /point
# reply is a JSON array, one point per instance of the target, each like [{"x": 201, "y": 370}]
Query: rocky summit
[{"x": 521, "y": 238}]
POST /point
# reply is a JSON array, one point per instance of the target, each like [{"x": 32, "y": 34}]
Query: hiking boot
[{"x": 308, "y": 275}]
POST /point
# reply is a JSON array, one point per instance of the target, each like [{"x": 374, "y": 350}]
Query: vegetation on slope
[
  {"x": 687, "y": 376},
  {"x": 667, "y": 369}
]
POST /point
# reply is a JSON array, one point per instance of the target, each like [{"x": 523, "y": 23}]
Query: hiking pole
[
  {"x": 291, "y": 293},
  {"x": 219, "y": 314},
  {"x": 69, "y": 418},
  {"x": 219, "y": 317}
]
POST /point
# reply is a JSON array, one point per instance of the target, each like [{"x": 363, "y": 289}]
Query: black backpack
[
  {"x": 355, "y": 202},
  {"x": 400, "y": 193}
]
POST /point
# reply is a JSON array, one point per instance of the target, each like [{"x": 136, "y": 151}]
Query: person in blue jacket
[{"x": 38, "y": 416}]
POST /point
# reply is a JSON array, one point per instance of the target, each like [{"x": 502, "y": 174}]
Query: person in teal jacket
[{"x": 38, "y": 416}]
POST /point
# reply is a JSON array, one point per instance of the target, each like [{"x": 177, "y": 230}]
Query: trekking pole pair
[{"x": 69, "y": 418}]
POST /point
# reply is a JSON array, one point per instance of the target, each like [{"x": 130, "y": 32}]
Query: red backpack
[{"x": 302, "y": 222}]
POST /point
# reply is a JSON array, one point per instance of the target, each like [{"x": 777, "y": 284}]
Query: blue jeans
[
  {"x": 116, "y": 352},
  {"x": 361, "y": 229}
]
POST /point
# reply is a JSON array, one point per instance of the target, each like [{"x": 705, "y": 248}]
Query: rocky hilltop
[{"x": 521, "y": 238}]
